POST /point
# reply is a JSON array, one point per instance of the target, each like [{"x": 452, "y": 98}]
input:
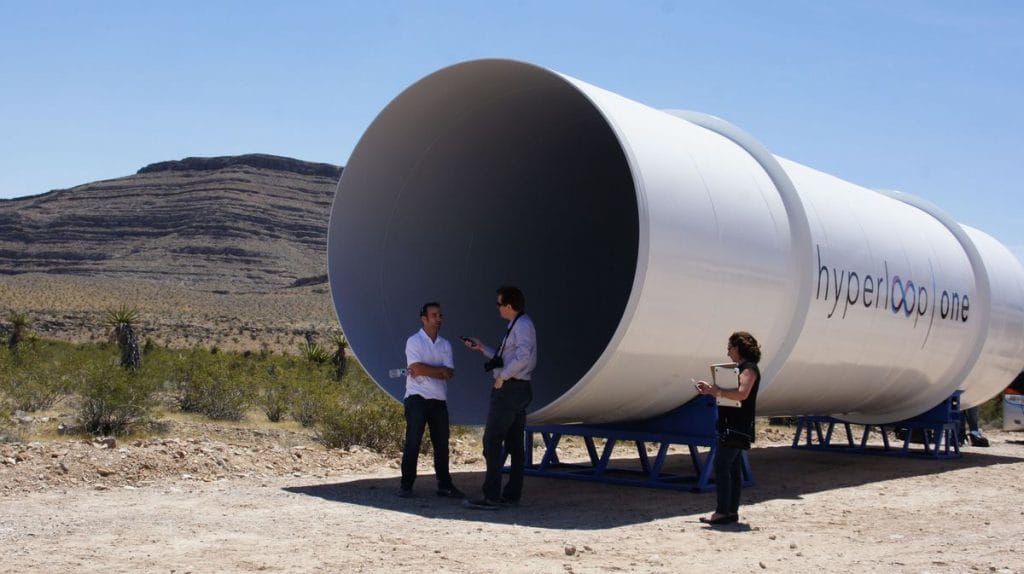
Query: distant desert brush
[{"x": 86, "y": 378}]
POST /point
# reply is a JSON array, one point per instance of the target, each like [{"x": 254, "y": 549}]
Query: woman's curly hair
[{"x": 747, "y": 345}]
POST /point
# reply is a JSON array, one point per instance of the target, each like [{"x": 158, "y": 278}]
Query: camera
[{"x": 495, "y": 362}]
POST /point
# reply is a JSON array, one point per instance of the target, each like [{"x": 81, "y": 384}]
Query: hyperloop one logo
[{"x": 885, "y": 290}]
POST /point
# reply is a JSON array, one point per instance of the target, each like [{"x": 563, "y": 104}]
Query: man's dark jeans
[
  {"x": 421, "y": 413},
  {"x": 728, "y": 479},
  {"x": 506, "y": 424}
]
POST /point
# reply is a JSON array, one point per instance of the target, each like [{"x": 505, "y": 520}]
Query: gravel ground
[{"x": 217, "y": 499}]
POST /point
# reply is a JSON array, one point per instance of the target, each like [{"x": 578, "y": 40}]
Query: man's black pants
[
  {"x": 419, "y": 414},
  {"x": 506, "y": 424}
]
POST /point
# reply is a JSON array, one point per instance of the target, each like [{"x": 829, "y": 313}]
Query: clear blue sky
[{"x": 922, "y": 96}]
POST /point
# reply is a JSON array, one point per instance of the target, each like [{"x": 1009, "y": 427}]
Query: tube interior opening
[{"x": 480, "y": 175}]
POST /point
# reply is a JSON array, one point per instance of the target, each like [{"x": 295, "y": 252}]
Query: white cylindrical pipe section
[
  {"x": 1002, "y": 350},
  {"x": 642, "y": 239}
]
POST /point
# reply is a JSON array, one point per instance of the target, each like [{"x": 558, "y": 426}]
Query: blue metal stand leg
[
  {"x": 936, "y": 430},
  {"x": 550, "y": 457},
  {"x": 528, "y": 444},
  {"x": 606, "y": 456},
  {"x": 692, "y": 425},
  {"x": 641, "y": 451},
  {"x": 659, "y": 462},
  {"x": 591, "y": 450},
  {"x": 704, "y": 477}
]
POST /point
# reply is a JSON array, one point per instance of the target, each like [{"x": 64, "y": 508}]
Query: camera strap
[{"x": 501, "y": 347}]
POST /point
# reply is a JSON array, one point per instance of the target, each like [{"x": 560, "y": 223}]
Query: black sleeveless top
[{"x": 741, "y": 419}]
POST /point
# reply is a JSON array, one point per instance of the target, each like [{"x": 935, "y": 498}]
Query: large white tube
[{"x": 642, "y": 238}]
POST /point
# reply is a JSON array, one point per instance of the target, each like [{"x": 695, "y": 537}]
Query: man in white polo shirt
[{"x": 429, "y": 358}]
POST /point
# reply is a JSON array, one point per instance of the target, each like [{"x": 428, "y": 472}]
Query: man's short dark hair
[
  {"x": 423, "y": 309},
  {"x": 514, "y": 297}
]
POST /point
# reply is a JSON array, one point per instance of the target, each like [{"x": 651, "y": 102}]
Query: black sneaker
[
  {"x": 450, "y": 492},
  {"x": 978, "y": 440},
  {"x": 506, "y": 501},
  {"x": 404, "y": 493},
  {"x": 482, "y": 504}
]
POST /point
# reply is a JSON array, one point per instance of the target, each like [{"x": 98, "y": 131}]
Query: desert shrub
[
  {"x": 165, "y": 369},
  {"x": 212, "y": 385},
  {"x": 362, "y": 415},
  {"x": 312, "y": 390},
  {"x": 275, "y": 391},
  {"x": 33, "y": 377},
  {"x": 111, "y": 400},
  {"x": 221, "y": 386}
]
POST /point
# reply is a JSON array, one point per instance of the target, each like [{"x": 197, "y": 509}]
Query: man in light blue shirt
[{"x": 512, "y": 365}]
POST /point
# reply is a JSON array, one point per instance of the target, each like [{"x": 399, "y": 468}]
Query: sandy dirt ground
[{"x": 254, "y": 511}]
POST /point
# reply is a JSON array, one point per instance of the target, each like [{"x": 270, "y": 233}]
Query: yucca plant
[
  {"x": 19, "y": 328},
  {"x": 314, "y": 352},
  {"x": 122, "y": 329},
  {"x": 338, "y": 359}
]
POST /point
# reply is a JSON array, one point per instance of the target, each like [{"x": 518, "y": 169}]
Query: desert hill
[
  {"x": 225, "y": 251},
  {"x": 243, "y": 223}
]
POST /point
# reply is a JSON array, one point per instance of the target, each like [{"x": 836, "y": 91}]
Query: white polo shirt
[{"x": 420, "y": 349}]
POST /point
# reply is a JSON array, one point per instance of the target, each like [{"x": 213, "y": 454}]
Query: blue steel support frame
[
  {"x": 938, "y": 428},
  {"x": 692, "y": 425}
]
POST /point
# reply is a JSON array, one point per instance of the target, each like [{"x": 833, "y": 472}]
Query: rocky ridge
[{"x": 242, "y": 223}]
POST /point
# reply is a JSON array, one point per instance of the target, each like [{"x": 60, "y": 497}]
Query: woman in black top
[{"x": 735, "y": 426}]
